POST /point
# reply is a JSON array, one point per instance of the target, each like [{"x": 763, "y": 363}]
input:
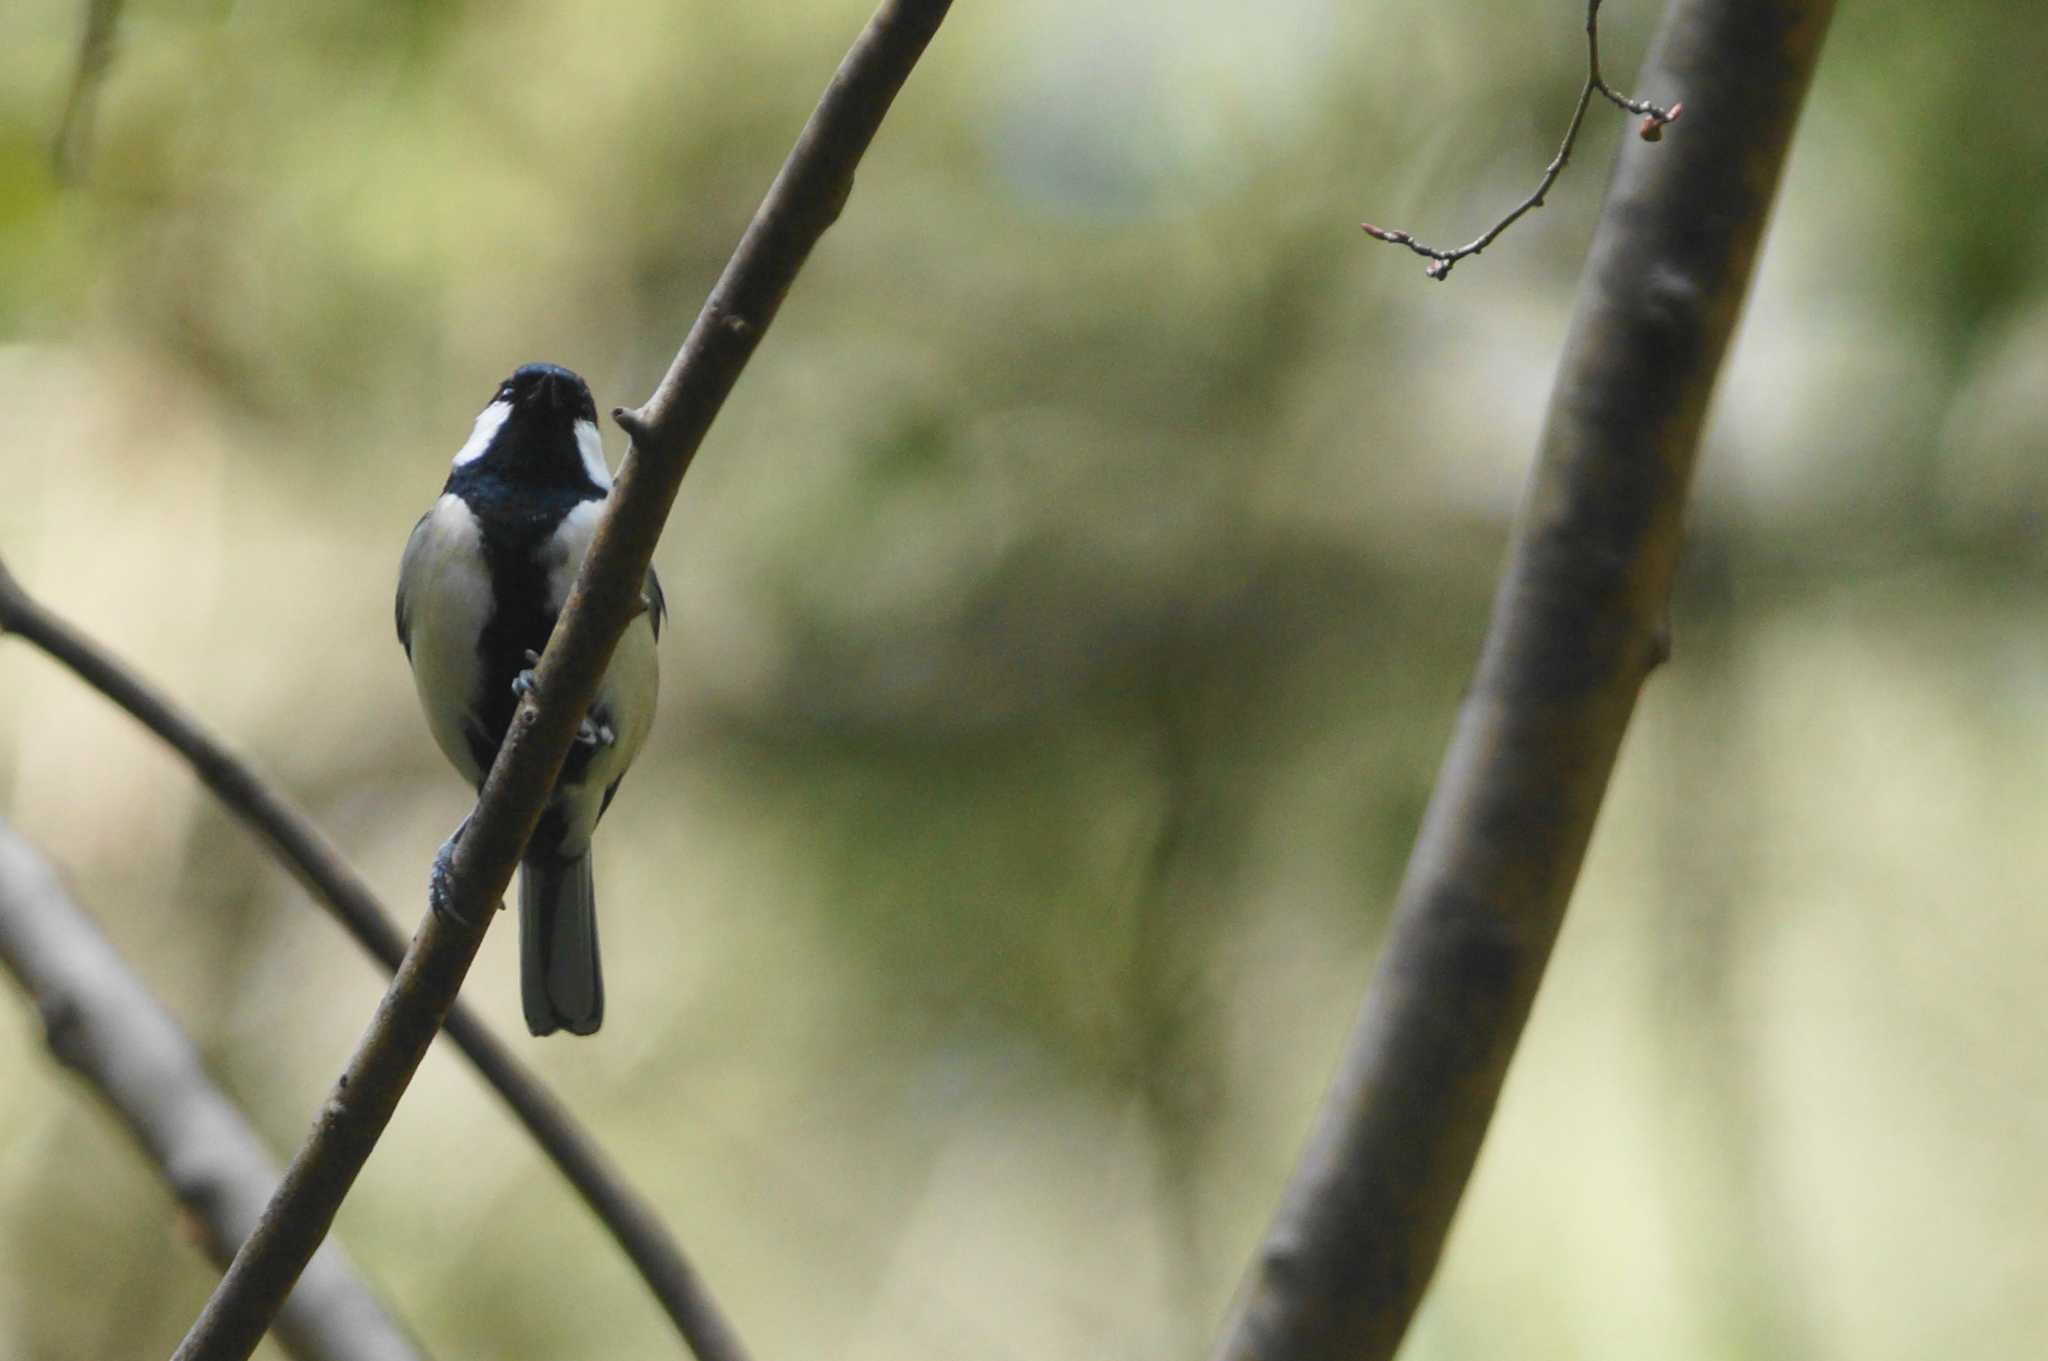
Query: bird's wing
[
  {"x": 407, "y": 566},
  {"x": 657, "y": 603}
]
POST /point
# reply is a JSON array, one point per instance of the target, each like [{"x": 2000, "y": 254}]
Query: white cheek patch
[
  {"x": 488, "y": 423},
  {"x": 590, "y": 444},
  {"x": 565, "y": 550}
]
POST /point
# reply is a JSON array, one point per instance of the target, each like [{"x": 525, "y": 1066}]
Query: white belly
[
  {"x": 449, "y": 598},
  {"x": 448, "y": 602}
]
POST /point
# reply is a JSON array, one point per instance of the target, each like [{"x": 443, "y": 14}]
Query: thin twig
[
  {"x": 71, "y": 147},
  {"x": 101, "y": 1022},
  {"x": 1577, "y": 625},
  {"x": 804, "y": 200},
  {"x": 1652, "y": 130},
  {"x": 319, "y": 866}
]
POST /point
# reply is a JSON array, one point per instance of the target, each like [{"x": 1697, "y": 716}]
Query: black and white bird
[{"x": 484, "y": 576}]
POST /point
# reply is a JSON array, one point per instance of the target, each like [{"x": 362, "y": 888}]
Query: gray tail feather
[{"x": 560, "y": 983}]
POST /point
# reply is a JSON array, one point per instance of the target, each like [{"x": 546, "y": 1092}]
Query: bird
[{"x": 484, "y": 576}]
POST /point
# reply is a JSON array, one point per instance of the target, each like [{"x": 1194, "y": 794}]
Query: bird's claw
[
  {"x": 523, "y": 682},
  {"x": 437, "y": 881},
  {"x": 589, "y": 733}
]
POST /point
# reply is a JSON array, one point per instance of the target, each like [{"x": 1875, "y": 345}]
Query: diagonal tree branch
[
  {"x": 804, "y": 200},
  {"x": 103, "y": 1024},
  {"x": 1577, "y": 625},
  {"x": 319, "y": 866}
]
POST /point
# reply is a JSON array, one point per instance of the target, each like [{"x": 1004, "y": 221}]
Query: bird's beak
[{"x": 554, "y": 391}]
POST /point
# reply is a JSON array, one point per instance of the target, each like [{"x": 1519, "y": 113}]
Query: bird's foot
[
  {"x": 589, "y": 733},
  {"x": 437, "y": 881},
  {"x": 523, "y": 682}
]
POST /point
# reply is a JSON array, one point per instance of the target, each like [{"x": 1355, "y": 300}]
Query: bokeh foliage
[{"x": 1069, "y": 611}]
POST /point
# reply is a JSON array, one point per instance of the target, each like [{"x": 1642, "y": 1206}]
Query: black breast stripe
[{"x": 518, "y": 520}]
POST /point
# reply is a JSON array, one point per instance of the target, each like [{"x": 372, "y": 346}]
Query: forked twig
[{"x": 1652, "y": 130}]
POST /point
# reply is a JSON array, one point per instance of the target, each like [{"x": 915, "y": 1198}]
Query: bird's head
[
  {"x": 540, "y": 426},
  {"x": 548, "y": 392}
]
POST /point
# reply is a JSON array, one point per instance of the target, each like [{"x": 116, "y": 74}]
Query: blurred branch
[
  {"x": 1577, "y": 625},
  {"x": 71, "y": 147},
  {"x": 103, "y": 1024},
  {"x": 1652, "y": 130},
  {"x": 300, "y": 845},
  {"x": 1172, "y": 1077},
  {"x": 804, "y": 200}
]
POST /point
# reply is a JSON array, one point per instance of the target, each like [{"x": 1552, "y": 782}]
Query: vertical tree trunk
[{"x": 1577, "y": 625}]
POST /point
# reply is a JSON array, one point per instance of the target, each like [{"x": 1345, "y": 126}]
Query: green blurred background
[{"x": 1070, "y": 609}]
